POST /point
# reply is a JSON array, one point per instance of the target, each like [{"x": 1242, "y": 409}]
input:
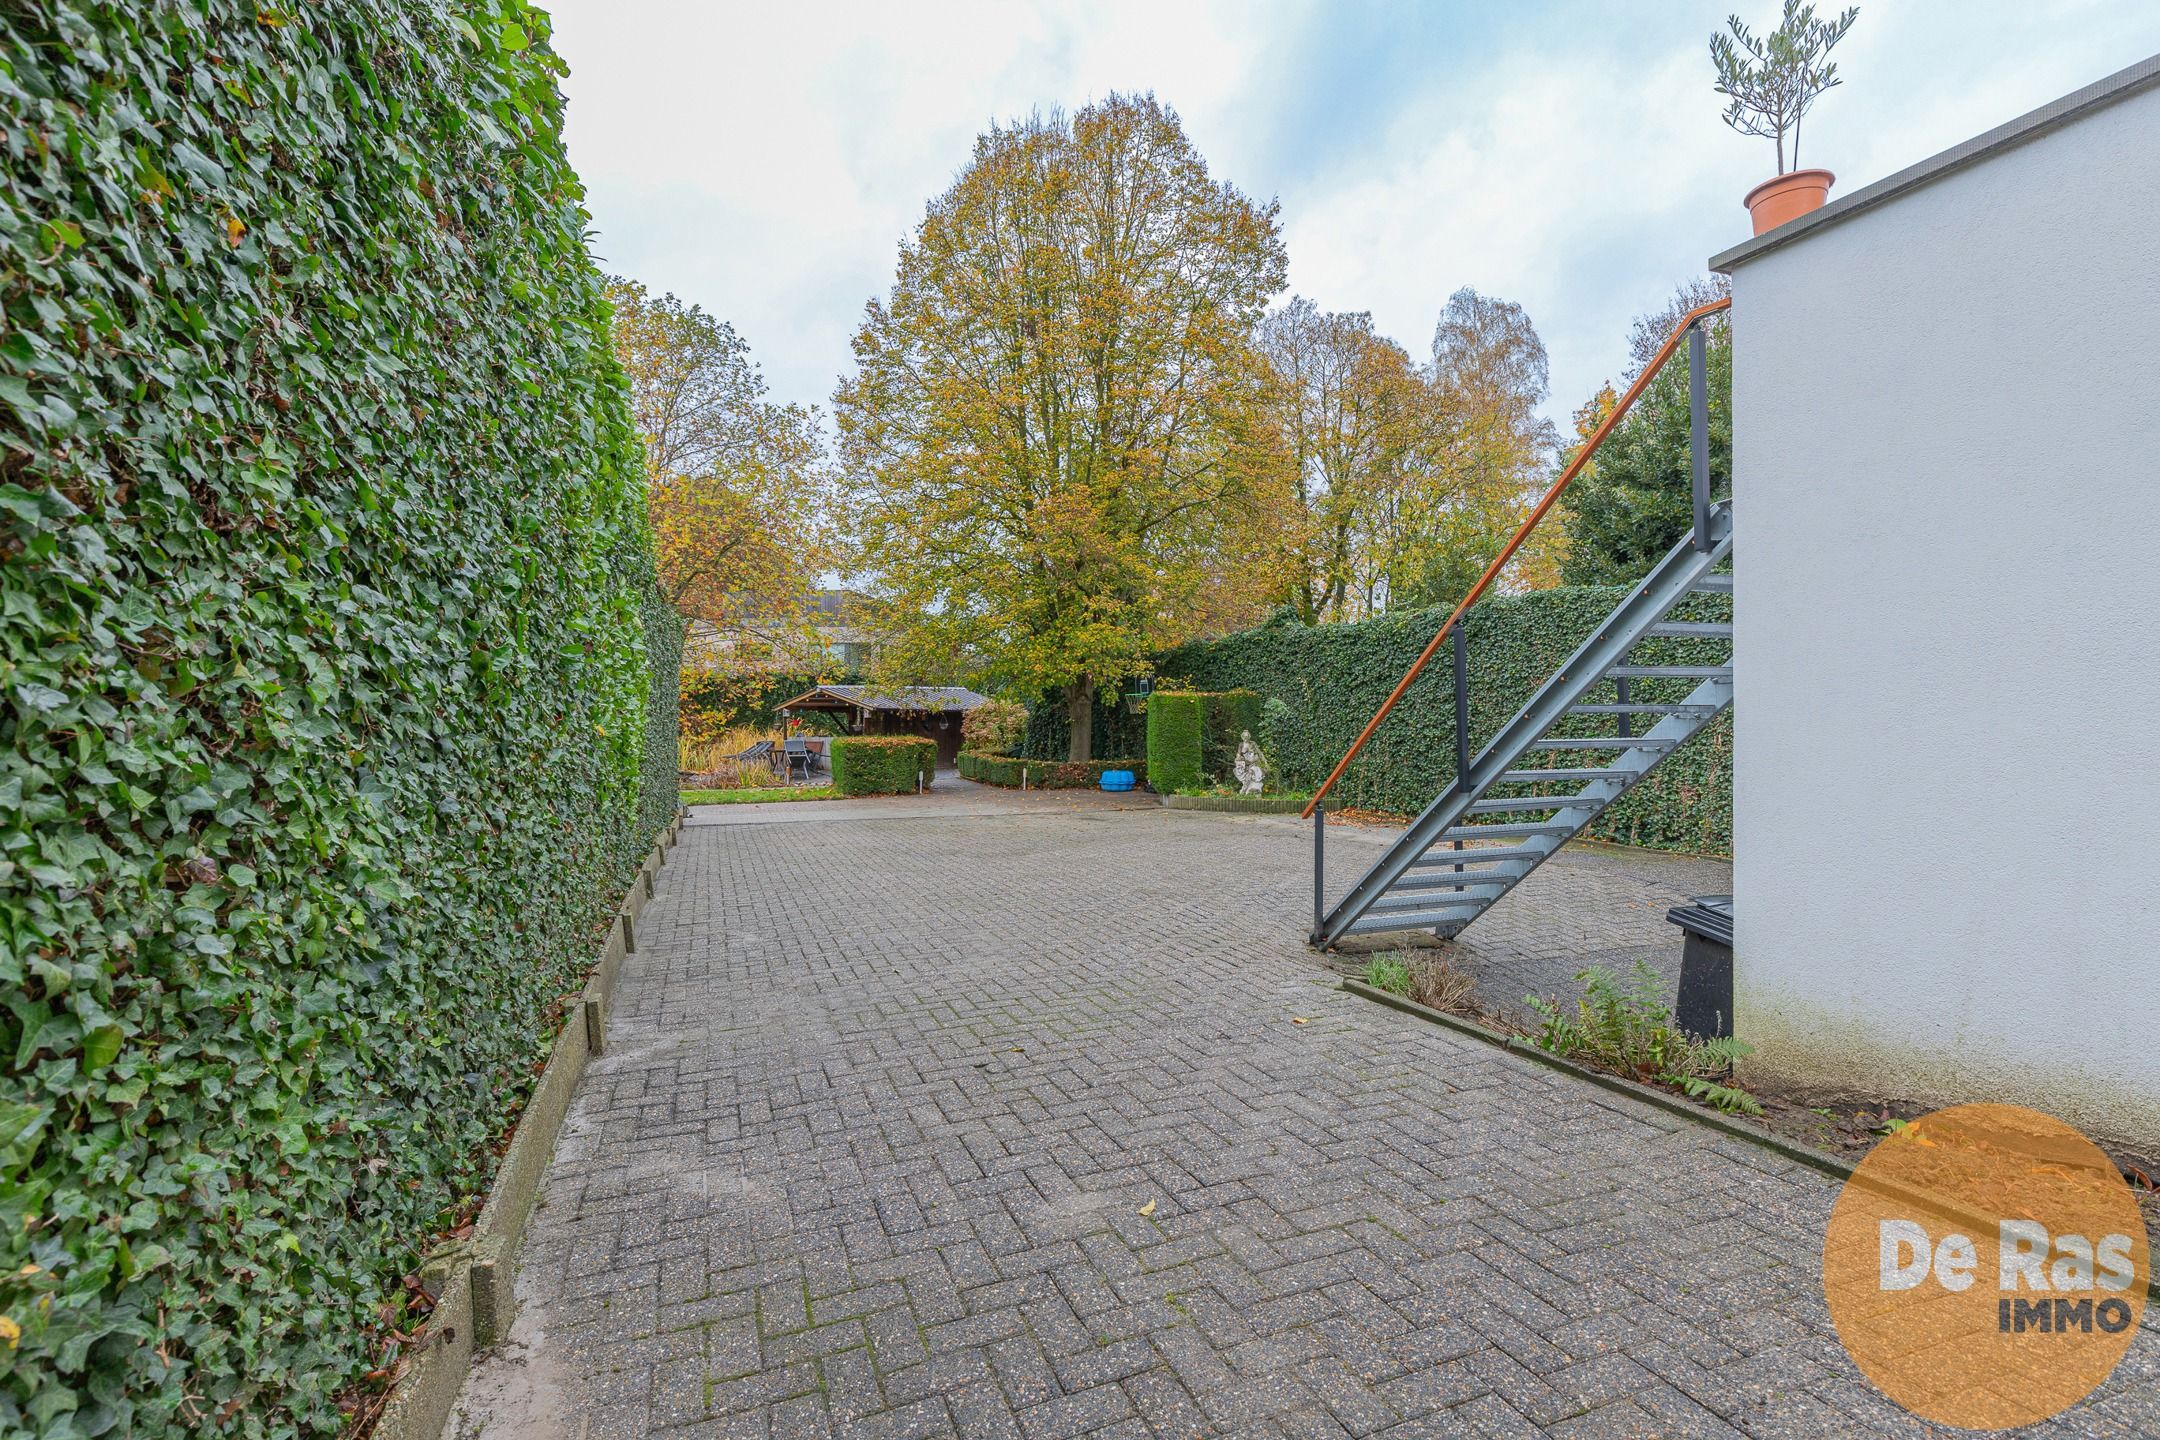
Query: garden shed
[{"x": 932, "y": 711}]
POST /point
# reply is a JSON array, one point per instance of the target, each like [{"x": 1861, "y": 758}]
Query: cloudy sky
[{"x": 765, "y": 159}]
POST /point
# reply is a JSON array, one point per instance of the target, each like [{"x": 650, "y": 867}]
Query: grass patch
[
  {"x": 758, "y": 797},
  {"x": 1301, "y": 796},
  {"x": 1436, "y": 982}
]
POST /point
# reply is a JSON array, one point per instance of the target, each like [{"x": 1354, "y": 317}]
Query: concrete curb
[
  {"x": 1792, "y": 1150},
  {"x": 1235, "y": 804},
  {"x": 1808, "y": 1155},
  {"x": 473, "y": 1281}
]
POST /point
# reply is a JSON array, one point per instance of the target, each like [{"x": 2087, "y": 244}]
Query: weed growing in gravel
[
  {"x": 1628, "y": 1030},
  {"x": 1388, "y": 972}
]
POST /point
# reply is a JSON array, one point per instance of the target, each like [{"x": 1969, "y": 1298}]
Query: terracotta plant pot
[{"x": 1788, "y": 197}]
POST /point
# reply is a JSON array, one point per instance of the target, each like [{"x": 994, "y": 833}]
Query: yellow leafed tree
[
  {"x": 738, "y": 495},
  {"x": 1355, "y": 421},
  {"x": 1055, "y": 439}
]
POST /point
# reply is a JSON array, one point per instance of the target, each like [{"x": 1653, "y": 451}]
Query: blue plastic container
[{"x": 1117, "y": 780}]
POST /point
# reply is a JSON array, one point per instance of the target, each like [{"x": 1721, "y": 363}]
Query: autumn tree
[
  {"x": 1048, "y": 437},
  {"x": 1352, "y": 416},
  {"x": 737, "y": 492},
  {"x": 1637, "y": 500},
  {"x": 1488, "y": 456}
]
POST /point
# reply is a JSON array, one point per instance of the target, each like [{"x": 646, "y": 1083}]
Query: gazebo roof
[{"x": 916, "y": 698}]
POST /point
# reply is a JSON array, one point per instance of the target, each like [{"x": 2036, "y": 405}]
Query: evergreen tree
[{"x": 1638, "y": 500}]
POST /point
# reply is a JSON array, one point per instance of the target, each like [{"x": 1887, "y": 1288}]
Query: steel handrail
[{"x": 1522, "y": 533}]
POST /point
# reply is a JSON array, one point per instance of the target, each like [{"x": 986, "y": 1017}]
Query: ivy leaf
[
  {"x": 201, "y": 166},
  {"x": 21, "y": 1127},
  {"x": 21, "y": 503},
  {"x": 101, "y": 1046}
]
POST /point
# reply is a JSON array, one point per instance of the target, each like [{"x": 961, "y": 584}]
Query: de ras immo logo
[{"x": 1986, "y": 1266}]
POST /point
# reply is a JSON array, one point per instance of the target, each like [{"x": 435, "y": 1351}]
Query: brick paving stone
[{"x": 886, "y": 1092}]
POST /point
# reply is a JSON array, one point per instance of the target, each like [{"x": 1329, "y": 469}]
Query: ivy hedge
[
  {"x": 1319, "y": 684},
  {"x": 882, "y": 764},
  {"x": 1173, "y": 740},
  {"x": 1019, "y": 770},
  {"x": 1117, "y": 728},
  {"x": 336, "y": 690},
  {"x": 1225, "y": 716}
]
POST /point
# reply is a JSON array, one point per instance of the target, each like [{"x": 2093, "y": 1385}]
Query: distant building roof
[
  {"x": 903, "y": 697},
  {"x": 842, "y": 603}
]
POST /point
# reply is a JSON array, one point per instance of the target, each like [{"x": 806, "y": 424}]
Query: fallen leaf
[
  {"x": 1299, "y": 1020},
  {"x": 1148, "y": 1209}
]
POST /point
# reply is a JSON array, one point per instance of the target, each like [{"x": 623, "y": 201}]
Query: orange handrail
[{"x": 1522, "y": 533}]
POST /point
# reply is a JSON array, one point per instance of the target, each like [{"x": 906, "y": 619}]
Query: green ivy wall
[{"x": 337, "y": 695}]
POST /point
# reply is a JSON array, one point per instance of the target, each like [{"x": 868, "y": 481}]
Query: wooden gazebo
[{"x": 933, "y": 711}]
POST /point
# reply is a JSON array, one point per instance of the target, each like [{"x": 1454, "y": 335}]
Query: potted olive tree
[{"x": 1772, "y": 80}]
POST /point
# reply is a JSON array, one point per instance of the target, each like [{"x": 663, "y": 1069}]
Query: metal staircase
[
  {"x": 1420, "y": 885},
  {"x": 1444, "y": 871}
]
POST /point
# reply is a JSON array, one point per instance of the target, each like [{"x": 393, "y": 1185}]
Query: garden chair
[{"x": 800, "y": 760}]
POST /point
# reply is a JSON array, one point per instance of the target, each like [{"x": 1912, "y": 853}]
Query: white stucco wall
[{"x": 1947, "y": 817}]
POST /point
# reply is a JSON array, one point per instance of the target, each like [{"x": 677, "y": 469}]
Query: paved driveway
[{"x": 1001, "y": 1124}]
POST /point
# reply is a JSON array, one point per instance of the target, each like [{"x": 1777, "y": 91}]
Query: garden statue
[{"x": 1247, "y": 766}]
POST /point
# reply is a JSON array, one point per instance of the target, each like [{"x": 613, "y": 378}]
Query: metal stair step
[
  {"x": 1643, "y": 709},
  {"x": 1530, "y": 802},
  {"x": 1670, "y": 672},
  {"x": 1398, "y": 901},
  {"x": 1439, "y": 914},
  {"x": 1449, "y": 880},
  {"x": 1495, "y": 832},
  {"x": 1713, "y": 584},
  {"x": 1599, "y": 742},
  {"x": 1484, "y": 856},
  {"x": 1693, "y": 629},
  {"x": 1511, "y": 777}
]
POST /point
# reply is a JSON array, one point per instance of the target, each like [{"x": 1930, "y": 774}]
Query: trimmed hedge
[
  {"x": 1173, "y": 740},
  {"x": 882, "y": 764},
  {"x": 1045, "y": 774},
  {"x": 1319, "y": 685},
  {"x": 338, "y": 695}
]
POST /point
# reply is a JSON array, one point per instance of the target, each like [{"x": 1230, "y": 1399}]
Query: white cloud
[{"x": 765, "y": 160}]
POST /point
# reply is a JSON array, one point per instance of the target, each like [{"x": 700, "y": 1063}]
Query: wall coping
[{"x": 2054, "y": 115}]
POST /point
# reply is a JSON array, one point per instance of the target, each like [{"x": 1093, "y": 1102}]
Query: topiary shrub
[
  {"x": 882, "y": 764},
  {"x": 994, "y": 728},
  {"x": 340, "y": 703},
  {"x": 1173, "y": 740}
]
